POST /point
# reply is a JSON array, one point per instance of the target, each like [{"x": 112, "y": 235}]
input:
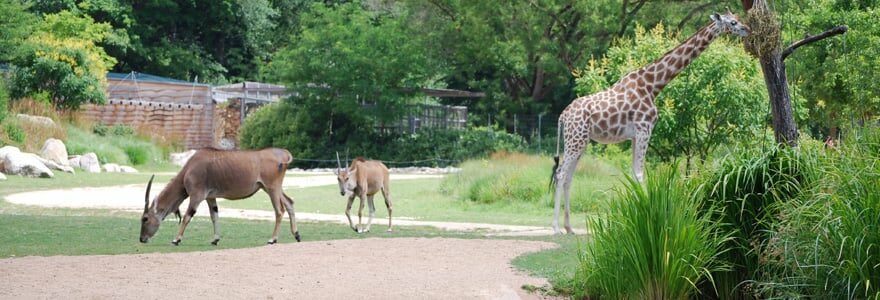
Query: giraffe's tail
[
  {"x": 553, "y": 174},
  {"x": 559, "y": 129}
]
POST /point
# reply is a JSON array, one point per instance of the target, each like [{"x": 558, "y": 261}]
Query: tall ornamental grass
[
  {"x": 654, "y": 243},
  {"x": 521, "y": 178},
  {"x": 827, "y": 242},
  {"x": 745, "y": 187}
]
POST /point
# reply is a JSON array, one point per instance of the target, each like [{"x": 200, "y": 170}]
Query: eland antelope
[
  {"x": 210, "y": 174},
  {"x": 364, "y": 178}
]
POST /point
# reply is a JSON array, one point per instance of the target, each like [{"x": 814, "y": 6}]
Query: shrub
[
  {"x": 654, "y": 243},
  {"x": 746, "y": 186},
  {"x": 280, "y": 125},
  {"x": 15, "y": 133},
  {"x": 827, "y": 242},
  {"x": 129, "y": 149}
]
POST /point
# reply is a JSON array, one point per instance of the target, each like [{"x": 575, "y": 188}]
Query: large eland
[
  {"x": 210, "y": 174},
  {"x": 364, "y": 178}
]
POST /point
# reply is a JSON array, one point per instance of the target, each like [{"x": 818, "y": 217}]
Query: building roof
[{"x": 144, "y": 77}]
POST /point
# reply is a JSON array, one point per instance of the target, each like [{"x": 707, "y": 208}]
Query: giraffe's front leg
[{"x": 640, "y": 148}]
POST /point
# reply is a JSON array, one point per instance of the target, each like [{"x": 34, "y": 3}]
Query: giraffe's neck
[{"x": 670, "y": 65}]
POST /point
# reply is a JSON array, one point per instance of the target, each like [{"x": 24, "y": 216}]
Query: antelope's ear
[{"x": 715, "y": 17}]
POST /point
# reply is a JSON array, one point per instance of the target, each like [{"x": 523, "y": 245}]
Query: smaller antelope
[
  {"x": 210, "y": 174},
  {"x": 364, "y": 178}
]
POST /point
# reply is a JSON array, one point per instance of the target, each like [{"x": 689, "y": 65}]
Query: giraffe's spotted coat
[{"x": 626, "y": 110}]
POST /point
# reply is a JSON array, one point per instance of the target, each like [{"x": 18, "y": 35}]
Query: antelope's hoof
[
  {"x": 355, "y": 230},
  {"x": 272, "y": 242},
  {"x": 389, "y": 230},
  {"x": 175, "y": 242},
  {"x": 296, "y": 236},
  {"x": 214, "y": 242}
]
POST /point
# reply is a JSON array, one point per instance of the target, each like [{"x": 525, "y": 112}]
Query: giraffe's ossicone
[{"x": 626, "y": 110}]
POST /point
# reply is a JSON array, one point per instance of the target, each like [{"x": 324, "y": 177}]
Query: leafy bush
[
  {"x": 15, "y": 133},
  {"x": 281, "y": 125},
  {"x": 654, "y": 243}
]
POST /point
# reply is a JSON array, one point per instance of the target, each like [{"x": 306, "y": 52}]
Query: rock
[
  {"x": 110, "y": 168},
  {"x": 52, "y": 164},
  {"x": 127, "y": 169},
  {"x": 89, "y": 162},
  {"x": 2, "y": 177},
  {"x": 74, "y": 160},
  {"x": 4, "y": 151},
  {"x": 55, "y": 151},
  {"x": 181, "y": 158},
  {"x": 25, "y": 164},
  {"x": 36, "y": 119}
]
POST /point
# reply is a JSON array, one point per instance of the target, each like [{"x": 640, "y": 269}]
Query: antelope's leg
[
  {"x": 372, "y": 212},
  {"x": 194, "y": 201},
  {"x": 361, "y": 213},
  {"x": 275, "y": 197},
  {"x": 215, "y": 217},
  {"x": 385, "y": 194},
  {"x": 288, "y": 204},
  {"x": 348, "y": 212}
]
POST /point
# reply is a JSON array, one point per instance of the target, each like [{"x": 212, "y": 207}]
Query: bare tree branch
[
  {"x": 815, "y": 38},
  {"x": 445, "y": 10},
  {"x": 627, "y": 17},
  {"x": 691, "y": 14}
]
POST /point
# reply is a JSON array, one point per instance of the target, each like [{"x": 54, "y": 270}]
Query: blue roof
[{"x": 149, "y": 78}]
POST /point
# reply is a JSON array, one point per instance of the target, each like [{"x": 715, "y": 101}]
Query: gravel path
[{"x": 393, "y": 268}]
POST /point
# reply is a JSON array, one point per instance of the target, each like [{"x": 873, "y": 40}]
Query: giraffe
[{"x": 626, "y": 110}]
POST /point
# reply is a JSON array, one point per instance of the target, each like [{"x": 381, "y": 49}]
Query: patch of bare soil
[{"x": 392, "y": 268}]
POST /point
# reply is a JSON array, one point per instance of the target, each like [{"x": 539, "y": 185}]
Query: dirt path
[
  {"x": 395, "y": 268},
  {"x": 120, "y": 198}
]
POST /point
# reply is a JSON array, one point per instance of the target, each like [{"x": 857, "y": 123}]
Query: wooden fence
[{"x": 191, "y": 123}]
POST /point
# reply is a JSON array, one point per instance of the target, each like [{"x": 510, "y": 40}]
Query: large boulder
[
  {"x": 25, "y": 164},
  {"x": 181, "y": 158},
  {"x": 110, "y": 168},
  {"x": 88, "y": 162},
  {"x": 55, "y": 151},
  {"x": 2, "y": 177},
  {"x": 51, "y": 164},
  {"x": 36, "y": 120}
]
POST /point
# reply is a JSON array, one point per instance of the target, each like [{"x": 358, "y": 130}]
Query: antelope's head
[
  {"x": 149, "y": 221},
  {"x": 344, "y": 178}
]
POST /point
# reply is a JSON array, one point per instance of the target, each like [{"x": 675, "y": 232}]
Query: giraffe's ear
[{"x": 715, "y": 17}]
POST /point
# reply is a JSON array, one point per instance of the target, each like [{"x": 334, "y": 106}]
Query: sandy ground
[
  {"x": 121, "y": 198},
  {"x": 396, "y": 268},
  {"x": 390, "y": 268}
]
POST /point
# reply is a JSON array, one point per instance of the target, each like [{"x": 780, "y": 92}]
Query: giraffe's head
[{"x": 729, "y": 23}]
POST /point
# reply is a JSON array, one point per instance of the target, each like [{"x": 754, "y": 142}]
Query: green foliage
[
  {"x": 715, "y": 100},
  {"x": 510, "y": 178},
  {"x": 827, "y": 244},
  {"x": 15, "y": 26},
  {"x": 14, "y": 133},
  {"x": 837, "y": 74},
  {"x": 281, "y": 125},
  {"x": 747, "y": 186},
  {"x": 62, "y": 58},
  {"x": 4, "y": 100},
  {"x": 116, "y": 144},
  {"x": 654, "y": 243}
]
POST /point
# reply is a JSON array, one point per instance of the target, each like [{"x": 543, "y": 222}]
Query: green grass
[
  {"x": 117, "y": 233},
  {"x": 119, "y": 149},
  {"x": 557, "y": 265},
  {"x": 419, "y": 199}
]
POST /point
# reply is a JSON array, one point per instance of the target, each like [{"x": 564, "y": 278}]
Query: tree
[
  {"x": 716, "y": 100},
  {"x": 15, "y": 26},
  {"x": 765, "y": 43},
  {"x": 837, "y": 76},
  {"x": 351, "y": 69},
  {"x": 63, "y": 59}
]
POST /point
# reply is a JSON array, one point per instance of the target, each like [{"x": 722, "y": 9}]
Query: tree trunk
[{"x": 780, "y": 102}]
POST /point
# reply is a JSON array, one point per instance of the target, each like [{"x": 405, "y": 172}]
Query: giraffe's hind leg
[{"x": 564, "y": 175}]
